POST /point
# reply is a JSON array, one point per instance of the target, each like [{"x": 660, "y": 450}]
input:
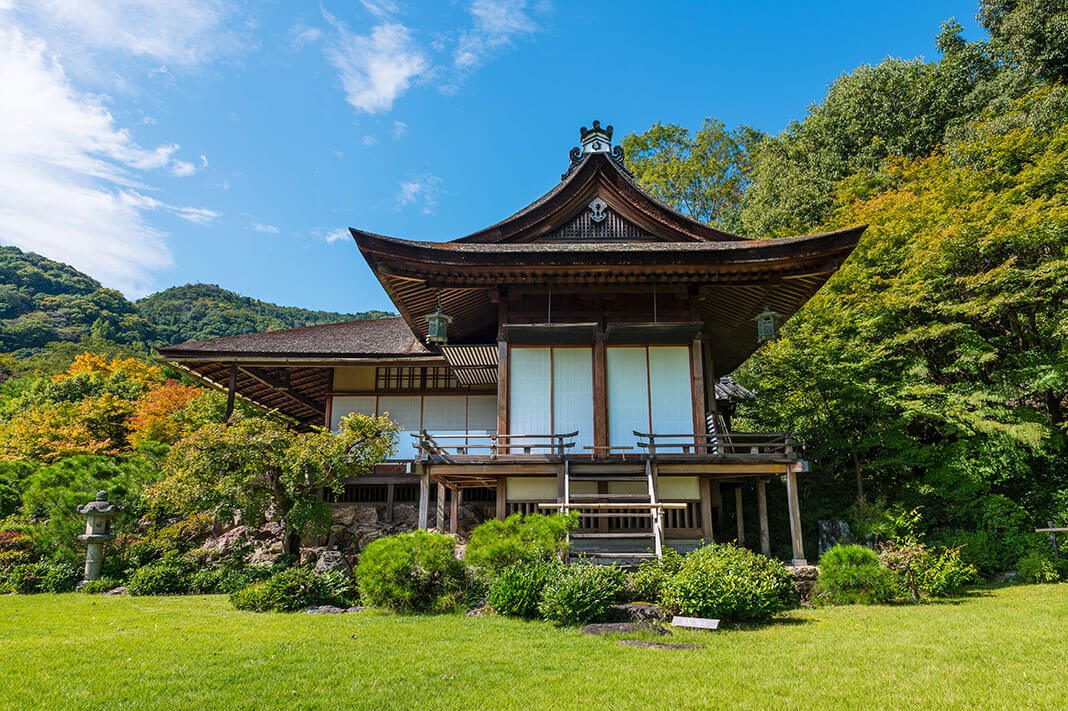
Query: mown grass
[{"x": 1002, "y": 648}]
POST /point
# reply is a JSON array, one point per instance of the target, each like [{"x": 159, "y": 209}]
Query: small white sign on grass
[{"x": 700, "y": 623}]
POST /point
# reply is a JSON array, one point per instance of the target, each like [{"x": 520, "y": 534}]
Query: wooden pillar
[
  {"x": 454, "y": 510},
  {"x": 698, "y": 385},
  {"x": 717, "y": 502},
  {"x": 706, "y": 509},
  {"x": 440, "y": 508},
  {"x": 738, "y": 514},
  {"x": 795, "y": 516},
  {"x": 600, "y": 397},
  {"x": 231, "y": 392},
  {"x": 390, "y": 491},
  {"x": 762, "y": 514},
  {"x": 502, "y": 498},
  {"x": 424, "y": 499}
]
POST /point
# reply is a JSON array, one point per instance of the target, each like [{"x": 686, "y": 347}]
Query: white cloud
[
  {"x": 337, "y": 236},
  {"x": 203, "y": 161},
  {"x": 399, "y": 129},
  {"x": 369, "y": 140},
  {"x": 70, "y": 188},
  {"x": 496, "y": 25},
  {"x": 265, "y": 228},
  {"x": 183, "y": 168},
  {"x": 187, "y": 33},
  {"x": 375, "y": 69},
  {"x": 381, "y": 8},
  {"x": 301, "y": 35},
  {"x": 422, "y": 191}
]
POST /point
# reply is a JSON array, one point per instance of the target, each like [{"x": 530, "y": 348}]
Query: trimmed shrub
[
  {"x": 412, "y": 572},
  {"x": 647, "y": 583},
  {"x": 731, "y": 583},
  {"x": 581, "y": 593},
  {"x": 171, "y": 576},
  {"x": 945, "y": 573},
  {"x": 45, "y": 576},
  {"x": 292, "y": 590},
  {"x": 496, "y": 545},
  {"x": 100, "y": 585},
  {"x": 518, "y": 589},
  {"x": 225, "y": 579},
  {"x": 851, "y": 575},
  {"x": 1036, "y": 567}
]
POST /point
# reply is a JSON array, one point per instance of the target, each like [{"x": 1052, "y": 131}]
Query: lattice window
[{"x": 412, "y": 378}]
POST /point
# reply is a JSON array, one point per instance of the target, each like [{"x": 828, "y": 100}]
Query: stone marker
[
  {"x": 622, "y": 628},
  {"x": 700, "y": 623}
]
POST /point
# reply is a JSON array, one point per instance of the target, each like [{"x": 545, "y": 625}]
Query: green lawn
[{"x": 995, "y": 649}]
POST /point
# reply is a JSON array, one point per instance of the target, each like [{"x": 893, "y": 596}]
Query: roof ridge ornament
[{"x": 596, "y": 139}]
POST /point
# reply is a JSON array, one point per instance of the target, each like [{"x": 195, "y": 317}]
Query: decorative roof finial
[{"x": 596, "y": 139}]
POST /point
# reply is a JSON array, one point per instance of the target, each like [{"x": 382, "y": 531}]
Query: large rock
[
  {"x": 805, "y": 577},
  {"x": 332, "y": 560},
  {"x": 604, "y": 628},
  {"x": 637, "y": 612}
]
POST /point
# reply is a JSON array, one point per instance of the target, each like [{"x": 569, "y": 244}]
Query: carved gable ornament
[{"x": 597, "y": 210}]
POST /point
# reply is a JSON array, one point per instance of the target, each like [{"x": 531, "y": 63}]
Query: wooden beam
[
  {"x": 272, "y": 382},
  {"x": 454, "y": 510},
  {"x": 440, "y": 508},
  {"x": 390, "y": 491},
  {"x": 698, "y": 385},
  {"x": 231, "y": 392},
  {"x": 706, "y": 509},
  {"x": 738, "y": 515},
  {"x": 424, "y": 500},
  {"x": 795, "y": 516},
  {"x": 600, "y": 391},
  {"x": 502, "y": 500},
  {"x": 503, "y": 386},
  {"x": 762, "y": 515}
]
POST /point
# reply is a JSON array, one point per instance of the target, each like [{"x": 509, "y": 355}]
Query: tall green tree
[{"x": 704, "y": 174}]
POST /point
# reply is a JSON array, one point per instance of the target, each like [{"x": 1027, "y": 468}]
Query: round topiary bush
[
  {"x": 496, "y": 544},
  {"x": 412, "y": 572},
  {"x": 730, "y": 583},
  {"x": 296, "y": 589},
  {"x": 518, "y": 589},
  {"x": 851, "y": 575},
  {"x": 581, "y": 593}
]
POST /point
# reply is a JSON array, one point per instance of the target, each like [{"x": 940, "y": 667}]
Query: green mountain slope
[
  {"x": 44, "y": 302},
  {"x": 195, "y": 311}
]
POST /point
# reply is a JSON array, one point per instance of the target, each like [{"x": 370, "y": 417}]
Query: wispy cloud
[
  {"x": 399, "y": 129},
  {"x": 496, "y": 24},
  {"x": 377, "y": 68},
  {"x": 72, "y": 180},
  {"x": 183, "y": 168},
  {"x": 369, "y": 140},
  {"x": 182, "y": 33},
  {"x": 422, "y": 191},
  {"x": 265, "y": 228},
  {"x": 337, "y": 236}
]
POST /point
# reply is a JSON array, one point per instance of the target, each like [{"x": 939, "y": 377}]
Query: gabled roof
[{"x": 598, "y": 175}]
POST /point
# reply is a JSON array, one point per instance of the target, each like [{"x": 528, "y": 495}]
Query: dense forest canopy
[{"x": 932, "y": 370}]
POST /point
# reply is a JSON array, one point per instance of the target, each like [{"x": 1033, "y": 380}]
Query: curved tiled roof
[{"x": 370, "y": 337}]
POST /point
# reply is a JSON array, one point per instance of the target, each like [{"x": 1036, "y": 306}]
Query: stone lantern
[{"x": 98, "y": 531}]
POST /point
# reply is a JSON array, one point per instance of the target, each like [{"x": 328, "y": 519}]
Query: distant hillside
[
  {"x": 195, "y": 311},
  {"x": 44, "y": 302}
]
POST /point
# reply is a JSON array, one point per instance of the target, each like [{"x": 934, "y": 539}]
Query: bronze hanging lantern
[
  {"x": 767, "y": 325},
  {"x": 437, "y": 333}
]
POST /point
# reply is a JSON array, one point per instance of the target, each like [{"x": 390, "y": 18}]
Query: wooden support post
[
  {"x": 740, "y": 520},
  {"x": 424, "y": 500},
  {"x": 390, "y": 490},
  {"x": 600, "y": 399},
  {"x": 706, "y": 509},
  {"x": 502, "y": 498},
  {"x": 454, "y": 510},
  {"x": 762, "y": 514},
  {"x": 231, "y": 392},
  {"x": 440, "y": 508},
  {"x": 795, "y": 516}
]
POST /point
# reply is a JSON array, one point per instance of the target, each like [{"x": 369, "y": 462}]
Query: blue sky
[{"x": 160, "y": 142}]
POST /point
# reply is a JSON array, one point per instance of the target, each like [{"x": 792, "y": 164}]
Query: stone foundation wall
[{"x": 805, "y": 577}]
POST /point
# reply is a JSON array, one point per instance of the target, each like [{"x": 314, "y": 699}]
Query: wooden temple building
[{"x": 570, "y": 357}]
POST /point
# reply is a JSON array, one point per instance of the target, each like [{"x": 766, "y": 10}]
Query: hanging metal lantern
[
  {"x": 767, "y": 325},
  {"x": 438, "y": 327}
]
